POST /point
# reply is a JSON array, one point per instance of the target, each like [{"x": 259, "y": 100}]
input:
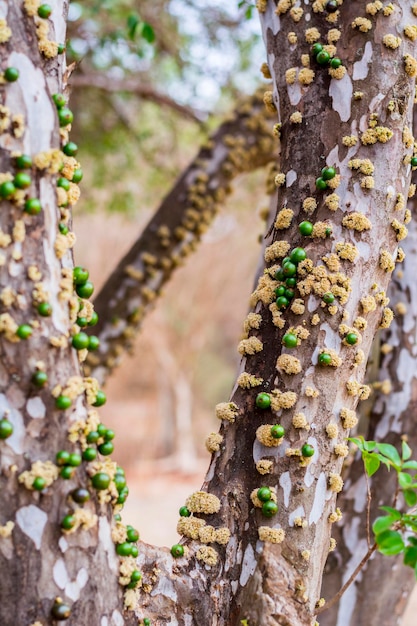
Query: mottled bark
[
  {"x": 374, "y": 600},
  {"x": 38, "y": 561},
  {"x": 241, "y": 144}
]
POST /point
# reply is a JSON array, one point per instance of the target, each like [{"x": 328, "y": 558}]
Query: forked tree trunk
[{"x": 270, "y": 571}]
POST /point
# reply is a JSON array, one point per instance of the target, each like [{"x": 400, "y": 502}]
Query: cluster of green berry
[
  {"x": 177, "y": 549},
  {"x": 21, "y": 180},
  {"x": 102, "y": 480},
  {"x": 286, "y": 274},
  {"x": 128, "y": 547},
  {"x": 323, "y": 57},
  {"x": 327, "y": 173},
  {"x": 269, "y": 507}
]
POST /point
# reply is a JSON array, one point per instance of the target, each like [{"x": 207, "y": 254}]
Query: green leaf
[
  {"x": 410, "y": 556},
  {"x": 133, "y": 22},
  {"x": 405, "y": 480},
  {"x": 390, "y": 542},
  {"x": 371, "y": 463},
  {"x": 405, "y": 451},
  {"x": 410, "y": 465},
  {"x": 410, "y": 496},
  {"x": 382, "y": 524},
  {"x": 248, "y": 13},
  {"x": 390, "y": 452},
  {"x": 413, "y": 540},
  {"x": 148, "y": 32},
  {"x": 369, "y": 445},
  {"x": 358, "y": 441},
  {"x": 394, "y": 513}
]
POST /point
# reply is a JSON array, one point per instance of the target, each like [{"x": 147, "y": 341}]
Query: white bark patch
[
  {"x": 294, "y": 93},
  {"x": 165, "y": 587},
  {"x": 234, "y": 585},
  {"x": 260, "y": 451},
  {"x": 32, "y": 521},
  {"x": 319, "y": 500},
  {"x": 6, "y": 547},
  {"x": 298, "y": 512},
  {"x": 36, "y": 408},
  {"x": 73, "y": 588},
  {"x": 285, "y": 482},
  {"x": 332, "y": 340},
  {"x": 104, "y": 534},
  {"x": 63, "y": 545},
  {"x": 312, "y": 304},
  {"x": 60, "y": 574},
  {"x": 15, "y": 269},
  {"x": 39, "y": 110},
  {"x": 341, "y": 93},
  {"x": 188, "y": 620},
  {"x": 346, "y": 606},
  {"x": 231, "y": 548},
  {"x": 290, "y": 178},
  {"x": 104, "y": 621},
  {"x": 361, "y": 68},
  {"x": 117, "y": 619},
  {"x": 406, "y": 373},
  {"x": 3, "y": 9},
  {"x": 270, "y": 21},
  {"x": 15, "y": 441},
  {"x": 248, "y": 565}
]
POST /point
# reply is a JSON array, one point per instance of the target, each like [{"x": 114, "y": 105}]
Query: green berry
[
  {"x": 62, "y": 457},
  {"x": 24, "y": 331},
  {"x": 307, "y": 450},
  {"x": 70, "y": 149},
  {"x": 134, "y": 551},
  {"x": 117, "y": 517},
  {"x": 289, "y": 294},
  {"x": 291, "y": 282},
  {"x": 264, "y": 494},
  {"x": 120, "y": 470},
  {"x": 6, "y": 428},
  {"x": 279, "y": 275},
  {"x": 67, "y": 472},
  {"x": 78, "y": 175},
  {"x": 321, "y": 184},
  {"x": 263, "y": 400},
  {"x": 124, "y": 549},
  {"x": 59, "y": 100},
  {"x": 184, "y": 512},
  {"x": 63, "y": 403},
  {"x": 93, "y": 436},
  {"x": 270, "y": 508},
  {"x": 80, "y": 341},
  {"x": 100, "y": 481},
  {"x": 335, "y": 63},
  {"x": 85, "y": 290},
  {"x": 323, "y": 57},
  {"x": 80, "y": 275},
  {"x": 60, "y": 611},
  {"x": 177, "y": 550},
  {"x": 277, "y": 431},
  {"x": 305, "y": 228},
  {"x": 63, "y": 228},
  {"x": 39, "y": 378},
  {"x": 100, "y": 399},
  {"x": 61, "y": 48},
  {"x": 132, "y": 534},
  {"x": 80, "y": 495},
  {"x": 316, "y": 48},
  {"x": 290, "y": 340},
  {"x": 282, "y": 302},
  {"x": 328, "y": 297},
  {"x": 74, "y": 459},
  {"x": 328, "y": 232},
  {"x": 109, "y": 435},
  {"x": 327, "y": 173},
  {"x": 94, "y": 319},
  {"x": 7, "y": 189},
  {"x": 11, "y": 74},
  {"x": 280, "y": 291},
  {"x": 135, "y": 576},
  {"x": 45, "y": 309},
  {"x": 289, "y": 269},
  {"x": 123, "y": 495},
  {"x": 101, "y": 429},
  {"x": 331, "y": 6},
  {"x": 93, "y": 342},
  {"x": 89, "y": 454},
  {"x": 120, "y": 482},
  {"x": 44, "y": 11},
  {"x": 146, "y": 621},
  {"x": 106, "y": 448},
  {"x": 22, "y": 180},
  {"x": 64, "y": 183},
  {"x": 324, "y": 358},
  {"x": 413, "y": 161},
  {"x": 351, "y": 338},
  {"x": 82, "y": 321},
  {"x": 68, "y": 522},
  {"x": 297, "y": 255},
  {"x": 24, "y": 162},
  {"x": 39, "y": 483},
  {"x": 65, "y": 116},
  {"x": 33, "y": 206}
]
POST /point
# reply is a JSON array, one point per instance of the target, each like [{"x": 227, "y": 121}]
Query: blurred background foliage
[{"x": 151, "y": 80}]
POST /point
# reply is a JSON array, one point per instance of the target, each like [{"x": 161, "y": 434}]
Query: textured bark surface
[
  {"x": 374, "y": 600},
  {"x": 38, "y": 563},
  {"x": 241, "y": 144}
]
